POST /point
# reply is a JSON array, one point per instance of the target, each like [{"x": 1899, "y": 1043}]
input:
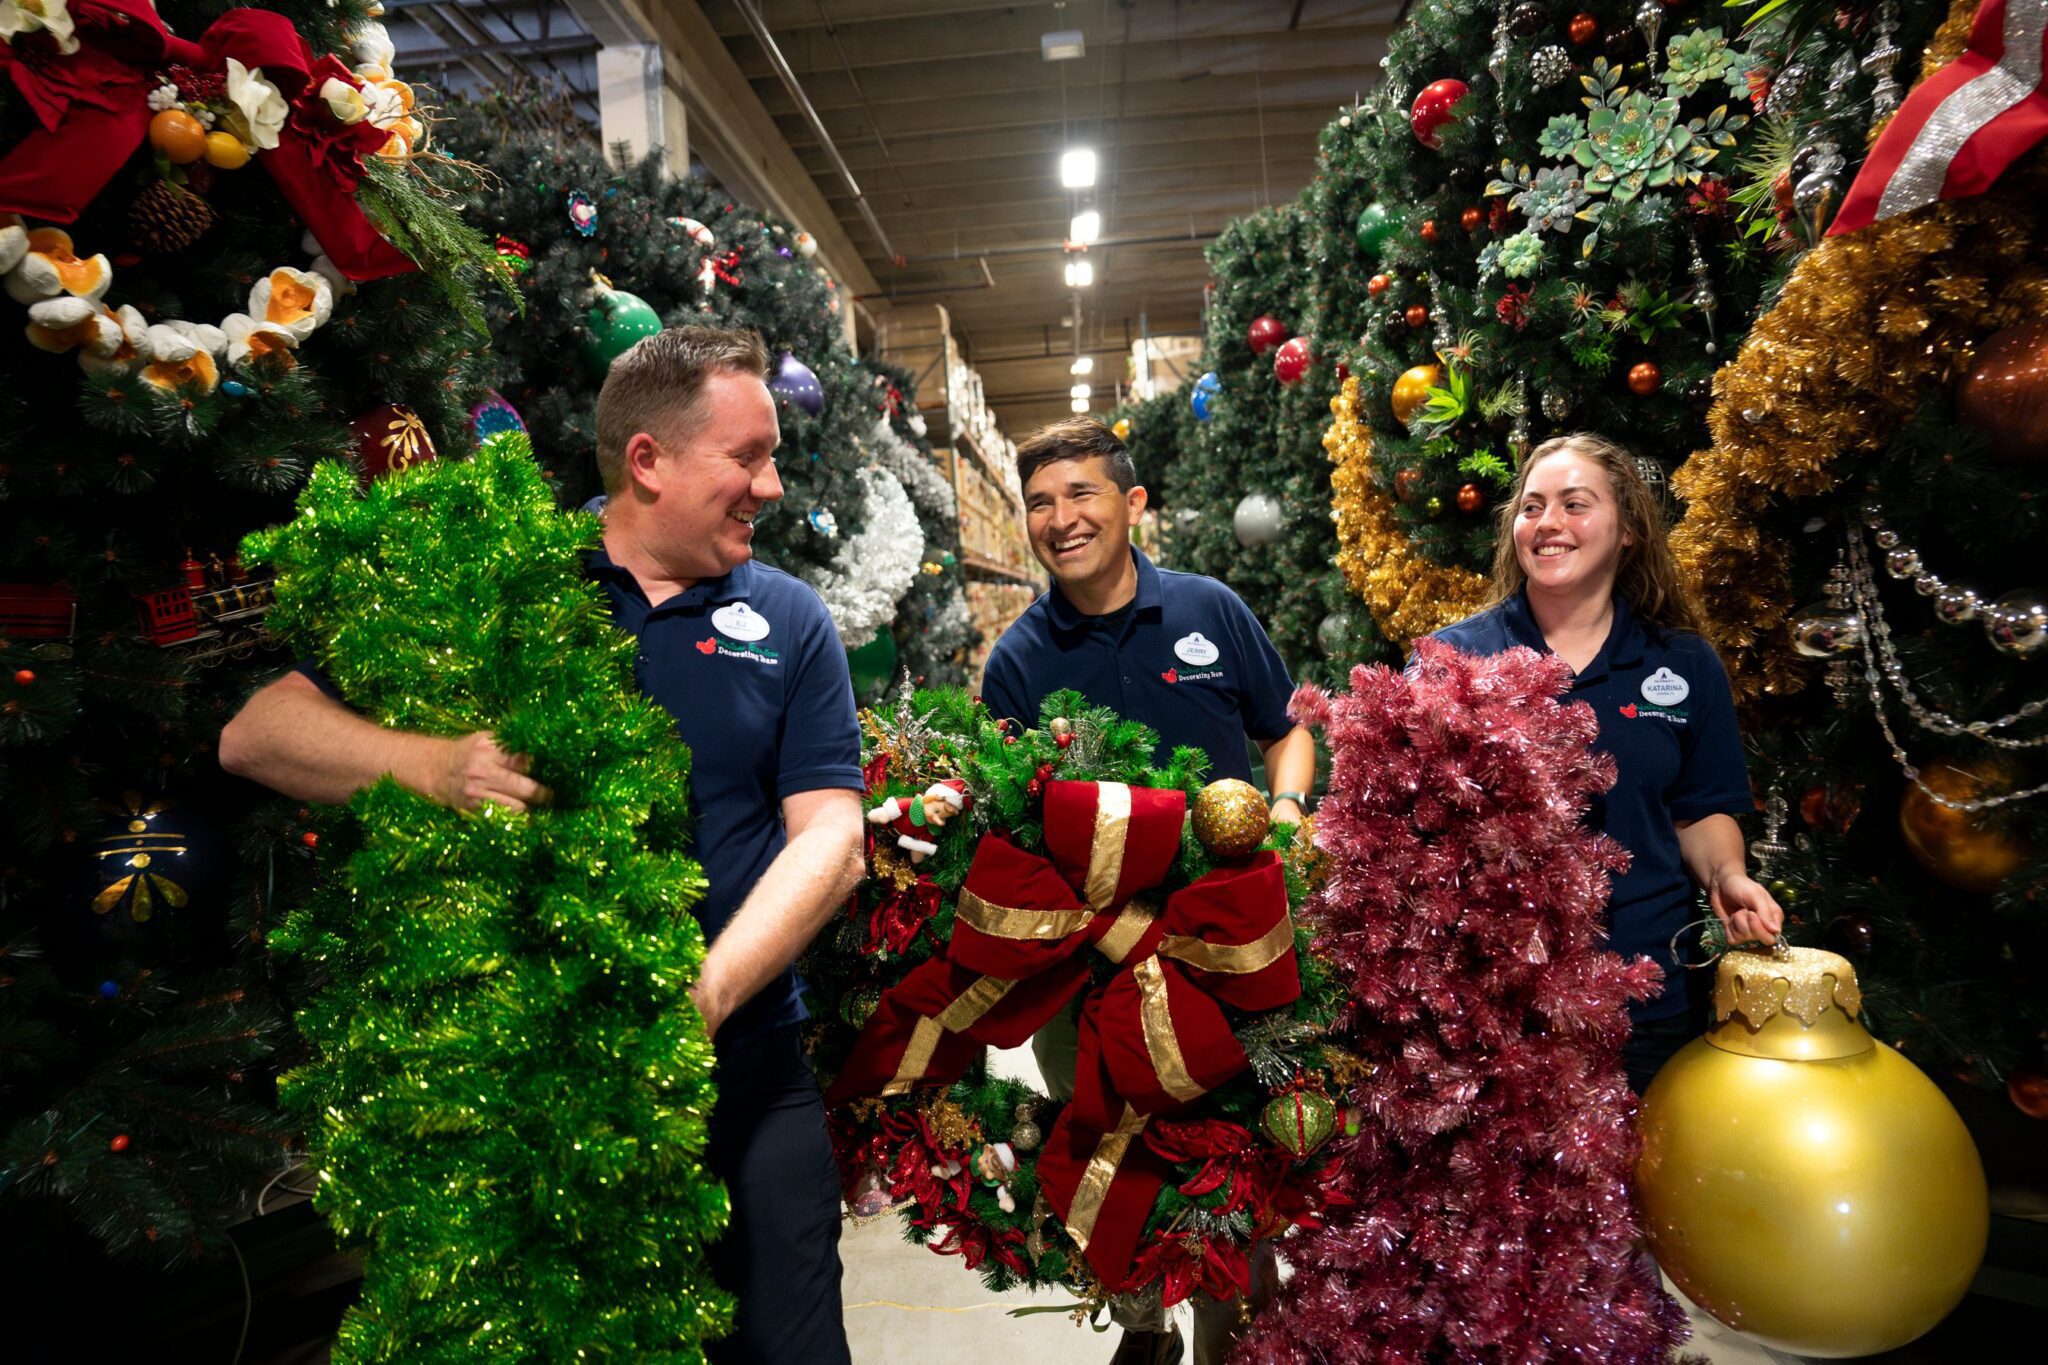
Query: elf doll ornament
[{"x": 921, "y": 815}]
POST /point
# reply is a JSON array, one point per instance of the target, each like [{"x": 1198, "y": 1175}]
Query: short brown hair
[
  {"x": 656, "y": 387},
  {"x": 1076, "y": 438},
  {"x": 1647, "y": 577}
]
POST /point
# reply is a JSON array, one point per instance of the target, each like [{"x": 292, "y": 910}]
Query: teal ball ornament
[
  {"x": 873, "y": 665},
  {"x": 1375, "y": 226},
  {"x": 617, "y": 322}
]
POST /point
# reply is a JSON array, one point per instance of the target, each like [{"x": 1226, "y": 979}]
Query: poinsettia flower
[
  {"x": 296, "y": 301},
  {"x": 344, "y": 100},
  {"x": 262, "y": 105},
  {"x": 21, "y": 17}
]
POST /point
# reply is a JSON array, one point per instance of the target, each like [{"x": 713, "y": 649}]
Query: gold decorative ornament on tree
[
  {"x": 1231, "y": 819},
  {"x": 1958, "y": 847},
  {"x": 1801, "y": 1181},
  {"x": 1411, "y": 390}
]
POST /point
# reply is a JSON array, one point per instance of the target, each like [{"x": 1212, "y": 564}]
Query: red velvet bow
[
  {"x": 94, "y": 109},
  {"x": 1154, "y": 1037}
]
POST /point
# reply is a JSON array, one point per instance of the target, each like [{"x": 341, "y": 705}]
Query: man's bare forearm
[
  {"x": 808, "y": 881},
  {"x": 294, "y": 738}
]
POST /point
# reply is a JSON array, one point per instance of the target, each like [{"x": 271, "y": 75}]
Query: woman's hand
[{"x": 1746, "y": 910}]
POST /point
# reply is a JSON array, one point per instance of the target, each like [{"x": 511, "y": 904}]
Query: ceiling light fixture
[
  {"x": 1080, "y": 274},
  {"x": 1079, "y": 391},
  {"x": 1085, "y": 228},
  {"x": 1079, "y": 405},
  {"x": 1062, "y": 45},
  {"x": 1083, "y": 364},
  {"x": 1077, "y": 168}
]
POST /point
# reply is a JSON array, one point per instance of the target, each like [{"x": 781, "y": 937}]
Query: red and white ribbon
[{"x": 1962, "y": 126}]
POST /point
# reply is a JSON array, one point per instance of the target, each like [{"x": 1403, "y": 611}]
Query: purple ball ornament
[
  {"x": 795, "y": 384},
  {"x": 494, "y": 417}
]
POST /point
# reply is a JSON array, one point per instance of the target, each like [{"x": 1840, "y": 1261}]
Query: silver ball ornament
[
  {"x": 1025, "y": 1137},
  {"x": 2017, "y": 623},
  {"x": 1258, "y": 520},
  {"x": 1549, "y": 65},
  {"x": 1956, "y": 606},
  {"x": 1902, "y": 563},
  {"x": 1821, "y": 632},
  {"x": 1557, "y": 404}
]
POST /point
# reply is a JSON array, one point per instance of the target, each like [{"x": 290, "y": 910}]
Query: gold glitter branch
[{"x": 1407, "y": 593}]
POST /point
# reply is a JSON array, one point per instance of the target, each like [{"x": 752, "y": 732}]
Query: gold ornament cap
[
  {"x": 1791, "y": 1004},
  {"x": 1231, "y": 818}
]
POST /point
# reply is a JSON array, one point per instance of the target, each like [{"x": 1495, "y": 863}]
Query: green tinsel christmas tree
[{"x": 509, "y": 1085}]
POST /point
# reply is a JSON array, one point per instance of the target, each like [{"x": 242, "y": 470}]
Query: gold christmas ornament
[
  {"x": 1801, "y": 1181},
  {"x": 1231, "y": 818},
  {"x": 1964, "y": 850}
]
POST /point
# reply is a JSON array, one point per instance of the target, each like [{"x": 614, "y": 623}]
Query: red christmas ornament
[
  {"x": 1034, "y": 788},
  {"x": 1432, "y": 110},
  {"x": 1584, "y": 28},
  {"x": 2028, "y": 1091},
  {"x": 1472, "y": 219},
  {"x": 24, "y": 676},
  {"x": 1644, "y": 378},
  {"x": 1418, "y": 316},
  {"x": 1405, "y": 483},
  {"x": 311, "y": 838},
  {"x": 1290, "y": 362},
  {"x": 1343, "y": 372},
  {"x": 119, "y": 1143},
  {"x": 1379, "y": 284},
  {"x": 1470, "y": 499},
  {"x": 1065, "y": 741},
  {"x": 1497, "y": 214},
  {"x": 1009, "y": 739},
  {"x": 389, "y": 438},
  {"x": 1429, "y": 231},
  {"x": 1265, "y": 333}
]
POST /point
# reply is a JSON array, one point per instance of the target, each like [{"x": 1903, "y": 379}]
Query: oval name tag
[
  {"x": 1194, "y": 648},
  {"x": 1666, "y": 688},
  {"x": 741, "y": 622}
]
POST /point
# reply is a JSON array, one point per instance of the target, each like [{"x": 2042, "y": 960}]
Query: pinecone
[{"x": 166, "y": 218}]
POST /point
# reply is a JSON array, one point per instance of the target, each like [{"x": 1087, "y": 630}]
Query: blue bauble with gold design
[{"x": 153, "y": 863}]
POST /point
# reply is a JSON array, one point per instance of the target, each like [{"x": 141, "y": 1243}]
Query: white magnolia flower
[
  {"x": 13, "y": 241},
  {"x": 297, "y": 301},
  {"x": 383, "y": 103},
  {"x": 68, "y": 322},
  {"x": 262, "y": 104},
  {"x": 250, "y": 339},
  {"x": 53, "y": 17},
  {"x": 344, "y": 101},
  {"x": 374, "y": 50},
  {"x": 134, "y": 338},
  {"x": 179, "y": 341}
]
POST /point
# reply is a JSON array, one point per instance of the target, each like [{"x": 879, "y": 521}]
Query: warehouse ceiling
[{"x": 951, "y": 121}]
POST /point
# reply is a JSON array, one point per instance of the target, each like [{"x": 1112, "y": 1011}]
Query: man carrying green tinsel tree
[
  {"x": 224, "y": 263},
  {"x": 746, "y": 661}
]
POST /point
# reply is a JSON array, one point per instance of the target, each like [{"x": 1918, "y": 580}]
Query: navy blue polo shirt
[
  {"x": 1187, "y": 658},
  {"x": 751, "y": 668},
  {"x": 1666, "y": 714}
]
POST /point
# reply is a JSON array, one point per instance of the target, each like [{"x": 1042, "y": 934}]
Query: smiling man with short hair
[
  {"x": 746, "y": 659},
  {"x": 1178, "y": 651}
]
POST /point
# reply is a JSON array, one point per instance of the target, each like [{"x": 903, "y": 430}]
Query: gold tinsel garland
[
  {"x": 1407, "y": 593},
  {"x": 1866, "y": 323}
]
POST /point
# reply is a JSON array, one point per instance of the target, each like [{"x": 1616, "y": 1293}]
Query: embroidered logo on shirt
[
  {"x": 1171, "y": 675},
  {"x": 711, "y": 644},
  {"x": 740, "y": 622},
  {"x": 1194, "y": 648},
  {"x": 1629, "y": 710},
  {"x": 708, "y": 645},
  {"x": 1665, "y": 688}
]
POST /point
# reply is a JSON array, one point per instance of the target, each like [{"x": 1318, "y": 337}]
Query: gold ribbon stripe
[
  {"x": 1131, "y": 923},
  {"x": 1236, "y": 959},
  {"x": 1002, "y": 921},
  {"x": 967, "y": 1007},
  {"x": 1101, "y": 1172},
  {"x": 1161, "y": 1044},
  {"x": 1106, "y": 851}
]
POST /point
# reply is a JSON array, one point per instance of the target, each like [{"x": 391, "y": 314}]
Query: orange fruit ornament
[
  {"x": 224, "y": 151},
  {"x": 179, "y": 136}
]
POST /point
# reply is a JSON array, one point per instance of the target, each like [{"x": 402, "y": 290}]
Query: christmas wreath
[{"x": 1014, "y": 877}]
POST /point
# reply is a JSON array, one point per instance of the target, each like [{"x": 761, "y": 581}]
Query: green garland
[
  {"x": 884, "y": 1145},
  {"x": 509, "y": 1087}
]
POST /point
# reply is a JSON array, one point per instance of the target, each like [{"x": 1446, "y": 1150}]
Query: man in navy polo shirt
[
  {"x": 747, "y": 661},
  {"x": 1178, "y": 651}
]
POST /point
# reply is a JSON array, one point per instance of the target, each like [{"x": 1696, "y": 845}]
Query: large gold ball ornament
[
  {"x": 2005, "y": 393},
  {"x": 1412, "y": 389},
  {"x": 1801, "y": 1181},
  {"x": 1231, "y": 818},
  {"x": 1964, "y": 850}
]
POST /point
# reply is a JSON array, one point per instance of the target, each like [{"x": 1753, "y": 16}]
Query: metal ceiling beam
[
  {"x": 935, "y": 147},
  {"x": 522, "y": 47},
  {"x": 1148, "y": 19}
]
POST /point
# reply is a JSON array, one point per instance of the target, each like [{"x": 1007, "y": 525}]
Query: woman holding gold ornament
[{"x": 1582, "y": 570}]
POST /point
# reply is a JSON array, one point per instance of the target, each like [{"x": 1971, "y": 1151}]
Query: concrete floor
[{"x": 907, "y": 1306}]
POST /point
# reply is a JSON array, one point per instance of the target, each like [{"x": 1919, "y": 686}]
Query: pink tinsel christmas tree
[{"x": 1483, "y": 1209}]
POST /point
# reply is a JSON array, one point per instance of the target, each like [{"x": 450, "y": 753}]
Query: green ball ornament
[
  {"x": 1375, "y": 226},
  {"x": 617, "y": 320},
  {"x": 1435, "y": 506},
  {"x": 858, "y": 1005},
  {"x": 873, "y": 664},
  {"x": 1299, "y": 1121}
]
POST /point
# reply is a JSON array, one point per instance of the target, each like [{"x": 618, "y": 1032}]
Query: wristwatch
[{"x": 1298, "y": 798}]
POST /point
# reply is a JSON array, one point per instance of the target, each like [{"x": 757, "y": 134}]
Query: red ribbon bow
[
  {"x": 1154, "y": 1037},
  {"x": 93, "y": 106}
]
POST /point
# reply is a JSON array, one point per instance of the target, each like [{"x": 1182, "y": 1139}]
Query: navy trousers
[{"x": 779, "y": 1259}]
